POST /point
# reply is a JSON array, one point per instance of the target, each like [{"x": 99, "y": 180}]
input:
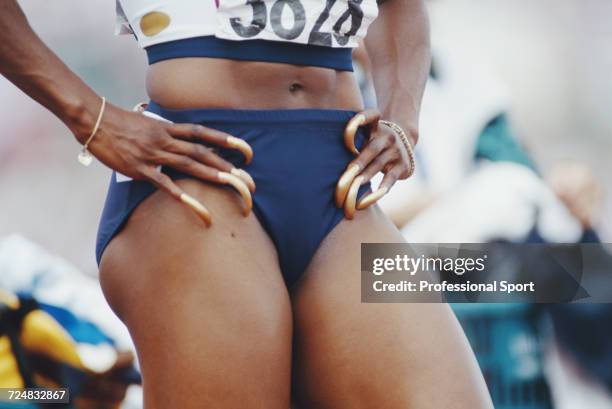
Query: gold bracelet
[
  {"x": 405, "y": 141},
  {"x": 85, "y": 157}
]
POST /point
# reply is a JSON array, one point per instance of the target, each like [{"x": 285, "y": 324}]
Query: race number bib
[{"x": 329, "y": 23}]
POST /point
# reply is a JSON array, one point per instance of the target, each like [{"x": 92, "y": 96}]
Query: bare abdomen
[{"x": 218, "y": 83}]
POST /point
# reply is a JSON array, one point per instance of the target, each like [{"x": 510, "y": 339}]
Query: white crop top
[{"x": 328, "y": 23}]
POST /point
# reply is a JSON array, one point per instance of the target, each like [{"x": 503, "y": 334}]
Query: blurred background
[{"x": 538, "y": 73}]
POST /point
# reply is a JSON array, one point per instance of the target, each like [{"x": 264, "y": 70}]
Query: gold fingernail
[
  {"x": 372, "y": 198},
  {"x": 241, "y": 187},
  {"x": 198, "y": 208},
  {"x": 242, "y": 174},
  {"x": 351, "y": 198},
  {"x": 242, "y": 146},
  {"x": 351, "y": 130},
  {"x": 344, "y": 183}
]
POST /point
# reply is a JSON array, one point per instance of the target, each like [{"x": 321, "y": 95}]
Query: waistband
[
  {"x": 222, "y": 115},
  {"x": 253, "y": 50}
]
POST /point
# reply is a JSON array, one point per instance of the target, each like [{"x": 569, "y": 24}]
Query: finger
[
  {"x": 187, "y": 165},
  {"x": 369, "y": 116},
  {"x": 165, "y": 184},
  {"x": 351, "y": 198},
  {"x": 209, "y": 135},
  {"x": 241, "y": 187},
  {"x": 381, "y": 163},
  {"x": 200, "y": 153},
  {"x": 372, "y": 150},
  {"x": 385, "y": 186},
  {"x": 208, "y": 157}
]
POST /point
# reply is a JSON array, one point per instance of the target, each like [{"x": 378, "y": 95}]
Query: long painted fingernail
[
  {"x": 198, "y": 208},
  {"x": 246, "y": 178},
  {"x": 242, "y": 146},
  {"x": 351, "y": 130},
  {"x": 344, "y": 183},
  {"x": 351, "y": 198},
  {"x": 241, "y": 187},
  {"x": 372, "y": 198},
  {"x": 357, "y": 120}
]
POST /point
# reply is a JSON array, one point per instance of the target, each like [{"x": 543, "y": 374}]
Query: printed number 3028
[{"x": 316, "y": 37}]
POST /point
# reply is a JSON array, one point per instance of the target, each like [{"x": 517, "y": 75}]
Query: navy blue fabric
[
  {"x": 299, "y": 155},
  {"x": 253, "y": 50}
]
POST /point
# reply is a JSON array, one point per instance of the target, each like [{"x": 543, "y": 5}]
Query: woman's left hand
[{"x": 384, "y": 152}]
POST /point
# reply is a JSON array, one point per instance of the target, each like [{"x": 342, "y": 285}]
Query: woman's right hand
[{"x": 135, "y": 145}]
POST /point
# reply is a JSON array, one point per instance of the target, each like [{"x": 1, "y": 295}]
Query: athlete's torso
[{"x": 218, "y": 82}]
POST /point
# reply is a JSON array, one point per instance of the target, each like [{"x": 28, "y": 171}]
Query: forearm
[
  {"x": 29, "y": 64},
  {"x": 398, "y": 46}
]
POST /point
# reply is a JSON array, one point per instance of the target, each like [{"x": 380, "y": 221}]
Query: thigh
[
  {"x": 207, "y": 308},
  {"x": 350, "y": 354}
]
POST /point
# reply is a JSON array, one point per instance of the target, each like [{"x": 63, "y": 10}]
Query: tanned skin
[{"x": 212, "y": 320}]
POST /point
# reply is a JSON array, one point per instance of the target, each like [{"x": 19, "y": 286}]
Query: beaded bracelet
[{"x": 405, "y": 141}]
